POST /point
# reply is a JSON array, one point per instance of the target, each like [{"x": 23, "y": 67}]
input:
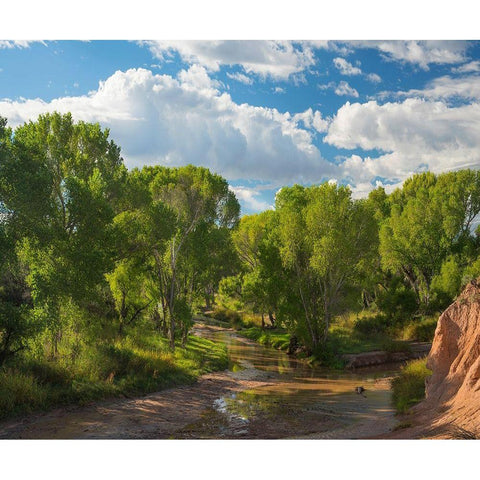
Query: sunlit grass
[
  {"x": 124, "y": 367},
  {"x": 409, "y": 387}
]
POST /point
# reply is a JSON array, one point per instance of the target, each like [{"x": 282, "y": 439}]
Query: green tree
[
  {"x": 180, "y": 214},
  {"x": 324, "y": 236},
  {"x": 61, "y": 186},
  {"x": 430, "y": 218}
]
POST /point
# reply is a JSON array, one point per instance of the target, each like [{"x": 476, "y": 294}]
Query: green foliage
[
  {"x": 275, "y": 338},
  {"x": 228, "y": 316},
  {"x": 395, "y": 346},
  {"x": 371, "y": 326},
  {"x": 325, "y": 237},
  {"x": 409, "y": 387},
  {"x": 131, "y": 366},
  {"x": 421, "y": 330},
  {"x": 398, "y": 302},
  {"x": 430, "y": 219}
]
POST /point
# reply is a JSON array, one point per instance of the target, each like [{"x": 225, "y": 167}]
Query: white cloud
[
  {"x": 414, "y": 135},
  {"x": 374, "y": 78},
  {"x": 311, "y": 119},
  {"x": 176, "y": 121},
  {"x": 343, "y": 88},
  {"x": 279, "y": 90},
  {"x": 468, "y": 67},
  {"x": 275, "y": 59},
  {"x": 467, "y": 87},
  {"x": 421, "y": 53},
  {"x": 247, "y": 196},
  {"x": 345, "y": 67},
  {"x": 8, "y": 44},
  {"x": 240, "y": 77}
]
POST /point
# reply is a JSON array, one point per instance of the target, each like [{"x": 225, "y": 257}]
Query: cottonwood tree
[
  {"x": 430, "y": 219},
  {"x": 60, "y": 186},
  {"x": 324, "y": 236},
  {"x": 177, "y": 209},
  {"x": 260, "y": 278}
]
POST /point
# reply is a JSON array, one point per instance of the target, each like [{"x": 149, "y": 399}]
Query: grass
[
  {"x": 408, "y": 388},
  {"x": 276, "y": 338},
  {"x": 124, "y": 368},
  {"x": 421, "y": 330}
]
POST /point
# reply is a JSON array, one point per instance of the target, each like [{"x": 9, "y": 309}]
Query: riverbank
[
  {"x": 125, "y": 368},
  {"x": 365, "y": 355},
  {"x": 275, "y": 407}
]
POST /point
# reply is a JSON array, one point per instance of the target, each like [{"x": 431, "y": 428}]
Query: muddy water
[{"x": 297, "y": 401}]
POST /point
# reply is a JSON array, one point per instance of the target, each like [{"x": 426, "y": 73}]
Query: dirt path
[{"x": 158, "y": 415}]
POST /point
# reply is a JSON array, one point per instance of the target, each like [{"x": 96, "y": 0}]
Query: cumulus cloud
[
  {"x": 343, "y": 88},
  {"x": 346, "y": 68},
  {"x": 466, "y": 87},
  {"x": 176, "y": 121},
  {"x": 248, "y": 197},
  {"x": 275, "y": 59},
  {"x": 421, "y": 53},
  {"x": 311, "y": 120},
  {"x": 412, "y": 135},
  {"x": 373, "y": 77}
]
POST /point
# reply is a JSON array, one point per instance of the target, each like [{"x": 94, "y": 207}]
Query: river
[
  {"x": 265, "y": 394},
  {"x": 298, "y": 401}
]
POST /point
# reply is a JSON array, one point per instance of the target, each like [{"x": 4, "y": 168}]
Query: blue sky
[{"x": 263, "y": 113}]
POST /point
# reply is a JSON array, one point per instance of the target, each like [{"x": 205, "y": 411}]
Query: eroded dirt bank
[{"x": 452, "y": 405}]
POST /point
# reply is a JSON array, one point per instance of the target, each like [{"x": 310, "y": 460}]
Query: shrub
[
  {"x": 374, "y": 325},
  {"x": 228, "y": 316},
  {"x": 19, "y": 392},
  {"x": 409, "y": 387},
  {"x": 422, "y": 330},
  {"x": 398, "y": 303}
]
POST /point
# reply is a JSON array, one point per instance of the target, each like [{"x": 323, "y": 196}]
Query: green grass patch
[
  {"x": 128, "y": 367},
  {"x": 408, "y": 388},
  {"x": 345, "y": 340},
  {"x": 276, "y": 338}
]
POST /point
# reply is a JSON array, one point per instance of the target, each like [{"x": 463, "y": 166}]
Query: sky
[{"x": 262, "y": 113}]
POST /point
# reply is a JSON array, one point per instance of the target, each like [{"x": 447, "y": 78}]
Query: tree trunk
[
  {"x": 208, "y": 304},
  {"x": 271, "y": 318}
]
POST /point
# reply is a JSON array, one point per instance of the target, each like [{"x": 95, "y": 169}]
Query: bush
[
  {"x": 409, "y": 387},
  {"x": 130, "y": 366},
  {"x": 20, "y": 392},
  {"x": 48, "y": 372},
  {"x": 228, "y": 316},
  {"x": 374, "y": 325},
  {"x": 422, "y": 330},
  {"x": 398, "y": 303}
]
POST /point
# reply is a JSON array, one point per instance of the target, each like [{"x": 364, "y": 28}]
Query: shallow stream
[{"x": 295, "y": 400}]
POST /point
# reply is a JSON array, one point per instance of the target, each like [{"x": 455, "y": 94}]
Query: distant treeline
[{"x": 89, "y": 249}]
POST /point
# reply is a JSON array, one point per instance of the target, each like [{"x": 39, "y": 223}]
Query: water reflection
[{"x": 299, "y": 399}]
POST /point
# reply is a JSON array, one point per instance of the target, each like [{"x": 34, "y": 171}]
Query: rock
[{"x": 453, "y": 390}]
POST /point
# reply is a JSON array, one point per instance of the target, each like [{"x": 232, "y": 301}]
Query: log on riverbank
[{"x": 379, "y": 357}]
